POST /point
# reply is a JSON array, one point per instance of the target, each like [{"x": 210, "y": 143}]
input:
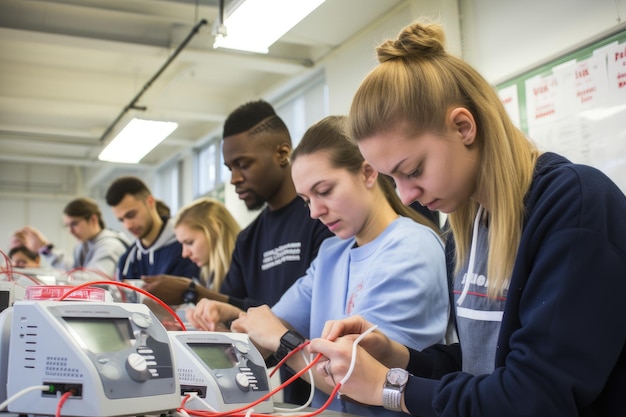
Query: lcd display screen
[
  {"x": 215, "y": 356},
  {"x": 4, "y": 299},
  {"x": 100, "y": 335}
]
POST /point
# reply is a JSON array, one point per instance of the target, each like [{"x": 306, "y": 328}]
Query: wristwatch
[
  {"x": 394, "y": 387},
  {"x": 190, "y": 296},
  {"x": 288, "y": 342}
]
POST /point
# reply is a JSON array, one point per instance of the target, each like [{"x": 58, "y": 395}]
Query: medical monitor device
[
  {"x": 5, "y": 335},
  {"x": 9, "y": 293},
  {"x": 225, "y": 370},
  {"x": 114, "y": 358},
  {"x": 39, "y": 276}
]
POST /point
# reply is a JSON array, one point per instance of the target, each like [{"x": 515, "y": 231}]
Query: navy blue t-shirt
[{"x": 271, "y": 254}]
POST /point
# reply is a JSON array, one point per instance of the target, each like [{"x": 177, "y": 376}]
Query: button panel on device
[{"x": 250, "y": 379}]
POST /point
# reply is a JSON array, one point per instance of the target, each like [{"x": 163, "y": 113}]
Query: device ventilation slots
[{"x": 31, "y": 340}]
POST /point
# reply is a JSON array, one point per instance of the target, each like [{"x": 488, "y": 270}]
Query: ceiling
[{"x": 69, "y": 68}]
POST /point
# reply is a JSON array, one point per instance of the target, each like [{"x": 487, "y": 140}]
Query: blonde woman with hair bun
[{"x": 536, "y": 252}]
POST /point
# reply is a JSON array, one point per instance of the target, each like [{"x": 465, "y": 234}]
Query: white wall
[
  {"x": 499, "y": 37},
  {"x": 346, "y": 67},
  {"x": 35, "y": 195},
  {"x": 503, "y": 37}
]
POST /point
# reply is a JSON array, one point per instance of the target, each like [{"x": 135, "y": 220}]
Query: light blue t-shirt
[{"x": 397, "y": 281}]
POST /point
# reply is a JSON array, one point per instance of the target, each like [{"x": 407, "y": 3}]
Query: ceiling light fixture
[
  {"x": 136, "y": 140},
  {"x": 140, "y": 136},
  {"x": 254, "y": 25}
]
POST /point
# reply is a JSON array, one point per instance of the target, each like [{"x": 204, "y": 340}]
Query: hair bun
[{"x": 416, "y": 40}]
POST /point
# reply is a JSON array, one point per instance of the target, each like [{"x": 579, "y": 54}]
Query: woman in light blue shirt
[{"x": 386, "y": 262}]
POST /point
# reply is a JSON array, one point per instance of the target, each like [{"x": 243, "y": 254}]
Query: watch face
[
  {"x": 292, "y": 339},
  {"x": 190, "y": 296},
  {"x": 397, "y": 377}
]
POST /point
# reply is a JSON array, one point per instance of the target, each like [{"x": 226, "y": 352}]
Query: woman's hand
[
  {"x": 262, "y": 326},
  {"x": 365, "y": 384},
  {"x": 211, "y": 315},
  {"x": 379, "y": 346}
]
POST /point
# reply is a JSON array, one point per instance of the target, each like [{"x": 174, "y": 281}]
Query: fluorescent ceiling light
[
  {"x": 256, "y": 24},
  {"x": 136, "y": 139}
]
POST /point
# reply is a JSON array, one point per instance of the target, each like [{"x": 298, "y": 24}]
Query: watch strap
[
  {"x": 288, "y": 342},
  {"x": 392, "y": 394},
  {"x": 392, "y": 399},
  {"x": 190, "y": 296}
]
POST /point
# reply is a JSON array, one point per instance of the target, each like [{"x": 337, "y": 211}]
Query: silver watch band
[
  {"x": 395, "y": 383},
  {"x": 392, "y": 399}
]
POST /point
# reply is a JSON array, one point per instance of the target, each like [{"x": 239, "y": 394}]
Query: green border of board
[{"x": 581, "y": 52}]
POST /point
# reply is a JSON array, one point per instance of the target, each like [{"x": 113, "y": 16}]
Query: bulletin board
[{"x": 575, "y": 104}]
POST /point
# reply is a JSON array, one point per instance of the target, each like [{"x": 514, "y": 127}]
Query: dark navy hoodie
[{"x": 561, "y": 345}]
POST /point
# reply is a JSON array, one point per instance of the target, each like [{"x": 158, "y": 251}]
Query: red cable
[
  {"x": 64, "y": 398},
  {"x": 237, "y": 412},
  {"x": 123, "y": 284},
  {"x": 96, "y": 272},
  {"x": 9, "y": 265},
  {"x": 11, "y": 273},
  {"x": 286, "y": 358}
]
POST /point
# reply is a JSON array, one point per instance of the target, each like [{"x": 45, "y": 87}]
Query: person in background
[
  {"x": 278, "y": 246},
  {"x": 537, "y": 252},
  {"x": 99, "y": 248},
  {"x": 16, "y": 239},
  {"x": 386, "y": 262},
  {"x": 207, "y": 232},
  {"x": 22, "y": 257},
  {"x": 156, "y": 250}
]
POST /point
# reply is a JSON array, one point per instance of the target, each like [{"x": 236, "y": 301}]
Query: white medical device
[
  {"x": 5, "y": 336},
  {"x": 114, "y": 358},
  {"x": 10, "y": 292},
  {"x": 225, "y": 370}
]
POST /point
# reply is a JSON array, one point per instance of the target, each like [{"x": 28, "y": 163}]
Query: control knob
[{"x": 137, "y": 367}]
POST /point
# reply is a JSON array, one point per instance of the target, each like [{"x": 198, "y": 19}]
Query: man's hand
[
  {"x": 168, "y": 288},
  {"x": 262, "y": 326}
]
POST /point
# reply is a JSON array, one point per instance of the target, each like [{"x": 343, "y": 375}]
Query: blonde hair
[
  {"x": 221, "y": 229},
  {"x": 414, "y": 86},
  {"x": 330, "y": 135}
]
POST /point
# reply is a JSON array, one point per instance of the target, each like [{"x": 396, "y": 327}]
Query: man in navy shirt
[{"x": 278, "y": 246}]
